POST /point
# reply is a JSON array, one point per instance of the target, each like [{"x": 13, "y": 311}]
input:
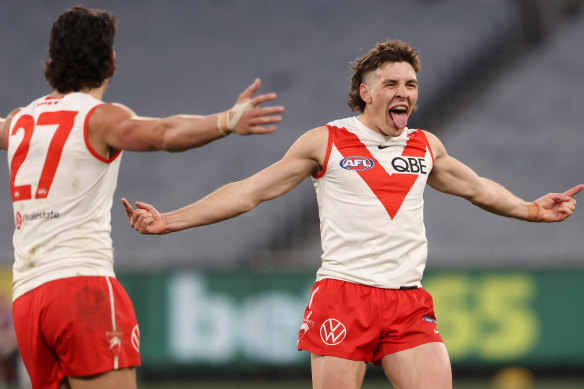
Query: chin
[{"x": 393, "y": 132}]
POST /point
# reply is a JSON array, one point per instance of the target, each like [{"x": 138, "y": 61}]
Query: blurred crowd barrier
[
  {"x": 231, "y": 321},
  {"x": 8, "y": 348},
  {"x": 195, "y": 322}
]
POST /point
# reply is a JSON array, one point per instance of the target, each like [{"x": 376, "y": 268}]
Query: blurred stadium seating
[{"x": 520, "y": 127}]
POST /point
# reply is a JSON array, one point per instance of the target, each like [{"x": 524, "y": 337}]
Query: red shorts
[
  {"x": 363, "y": 323},
  {"x": 75, "y": 327}
]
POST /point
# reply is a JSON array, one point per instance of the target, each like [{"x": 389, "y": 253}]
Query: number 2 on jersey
[{"x": 64, "y": 121}]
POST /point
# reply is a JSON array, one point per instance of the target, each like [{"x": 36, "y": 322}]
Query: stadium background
[{"x": 501, "y": 84}]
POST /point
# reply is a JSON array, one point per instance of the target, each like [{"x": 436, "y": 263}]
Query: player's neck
[
  {"x": 94, "y": 92},
  {"x": 97, "y": 92}
]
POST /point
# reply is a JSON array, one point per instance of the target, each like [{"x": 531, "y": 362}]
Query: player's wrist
[
  {"x": 533, "y": 211},
  {"x": 166, "y": 224},
  {"x": 226, "y": 121},
  {"x": 222, "y": 123}
]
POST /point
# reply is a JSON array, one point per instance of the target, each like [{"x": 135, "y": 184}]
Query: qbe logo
[
  {"x": 332, "y": 332},
  {"x": 356, "y": 163}
]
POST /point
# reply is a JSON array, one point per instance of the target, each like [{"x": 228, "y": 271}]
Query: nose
[{"x": 401, "y": 91}]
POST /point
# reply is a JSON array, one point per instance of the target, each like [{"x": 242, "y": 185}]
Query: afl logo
[
  {"x": 18, "y": 220},
  {"x": 356, "y": 163}
]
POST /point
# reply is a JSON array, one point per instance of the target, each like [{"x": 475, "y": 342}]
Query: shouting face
[{"x": 390, "y": 94}]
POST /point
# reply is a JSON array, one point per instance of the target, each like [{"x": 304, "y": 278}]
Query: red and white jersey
[
  {"x": 370, "y": 199},
  {"x": 62, "y": 193}
]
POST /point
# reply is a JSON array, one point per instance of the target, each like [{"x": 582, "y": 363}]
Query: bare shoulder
[
  {"x": 311, "y": 145},
  {"x": 108, "y": 120},
  {"x": 313, "y": 139},
  {"x": 431, "y": 137},
  {"x": 110, "y": 113},
  {"x": 11, "y": 115},
  {"x": 320, "y": 130},
  {"x": 5, "y": 127},
  {"x": 317, "y": 136},
  {"x": 435, "y": 144}
]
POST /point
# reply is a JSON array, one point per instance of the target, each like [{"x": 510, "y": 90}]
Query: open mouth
[{"x": 399, "y": 115}]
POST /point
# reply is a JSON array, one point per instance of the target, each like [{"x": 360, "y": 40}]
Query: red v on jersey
[{"x": 390, "y": 189}]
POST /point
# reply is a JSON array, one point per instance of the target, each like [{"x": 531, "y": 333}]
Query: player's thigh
[
  {"x": 423, "y": 367},
  {"x": 336, "y": 373},
  {"x": 114, "y": 379}
]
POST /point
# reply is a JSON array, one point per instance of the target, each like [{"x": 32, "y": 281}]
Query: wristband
[
  {"x": 226, "y": 121},
  {"x": 533, "y": 212},
  {"x": 222, "y": 123}
]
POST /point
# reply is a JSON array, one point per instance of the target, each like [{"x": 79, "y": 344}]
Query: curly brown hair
[
  {"x": 81, "y": 49},
  {"x": 388, "y": 51}
]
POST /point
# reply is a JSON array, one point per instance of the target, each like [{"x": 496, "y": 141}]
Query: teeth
[{"x": 400, "y": 108}]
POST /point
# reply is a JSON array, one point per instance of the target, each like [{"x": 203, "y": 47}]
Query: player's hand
[
  {"x": 255, "y": 119},
  {"x": 145, "y": 218},
  {"x": 555, "y": 207}
]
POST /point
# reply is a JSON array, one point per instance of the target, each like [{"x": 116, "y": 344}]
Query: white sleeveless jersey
[
  {"x": 370, "y": 199},
  {"x": 62, "y": 193}
]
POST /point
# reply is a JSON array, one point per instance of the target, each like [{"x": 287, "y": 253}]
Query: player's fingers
[
  {"x": 262, "y": 130},
  {"x": 137, "y": 217},
  {"x": 146, "y": 206},
  {"x": 571, "y": 205},
  {"x": 265, "y": 111},
  {"x": 566, "y": 211},
  {"x": 141, "y": 221},
  {"x": 250, "y": 90},
  {"x": 128, "y": 208},
  {"x": 144, "y": 227},
  {"x": 263, "y": 98},
  {"x": 574, "y": 190},
  {"x": 559, "y": 197},
  {"x": 264, "y": 120}
]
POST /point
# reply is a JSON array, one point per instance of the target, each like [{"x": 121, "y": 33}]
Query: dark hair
[
  {"x": 81, "y": 49},
  {"x": 388, "y": 51}
]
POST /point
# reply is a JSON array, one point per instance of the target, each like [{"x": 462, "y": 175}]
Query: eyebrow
[{"x": 393, "y": 80}]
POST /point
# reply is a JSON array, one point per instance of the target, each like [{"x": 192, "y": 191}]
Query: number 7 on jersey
[{"x": 64, "y": 121}]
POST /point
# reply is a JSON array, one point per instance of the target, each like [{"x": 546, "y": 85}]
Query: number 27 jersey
[{"x": 62, "y": 193}]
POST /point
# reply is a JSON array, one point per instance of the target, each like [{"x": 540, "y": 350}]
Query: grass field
[
  {"x": 546, "y": 383},
  {"x": 368, "y": 384},
  {"x": 512, "y": 377}
]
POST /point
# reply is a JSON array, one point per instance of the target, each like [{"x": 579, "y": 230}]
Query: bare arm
[
  {"x": 453, "y": 177},
  {"x": 303, "y": 158},
  {"x": 5, "y": 127},
  {"x": 116, "y": 127},
  {"x": 3, "y": 134}
]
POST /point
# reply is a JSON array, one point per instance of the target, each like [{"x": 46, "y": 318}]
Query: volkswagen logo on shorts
[
  {"x": 356, "y": 163},
  {"x": 135, "y": 337},
  {"x": 332, "y": 332}
]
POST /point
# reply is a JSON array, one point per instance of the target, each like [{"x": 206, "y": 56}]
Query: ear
[{"x": 364, "y": 93}]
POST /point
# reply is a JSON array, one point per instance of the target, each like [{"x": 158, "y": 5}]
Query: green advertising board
[{"x": 244, "y": 320}]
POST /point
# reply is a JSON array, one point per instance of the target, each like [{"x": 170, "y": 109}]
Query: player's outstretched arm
[
  {"x": 453, "y": 177},
  {"x": 226, "y": 202},
  {"x": 302, "y": 159},
  {"x": 118, "y": 127}
]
